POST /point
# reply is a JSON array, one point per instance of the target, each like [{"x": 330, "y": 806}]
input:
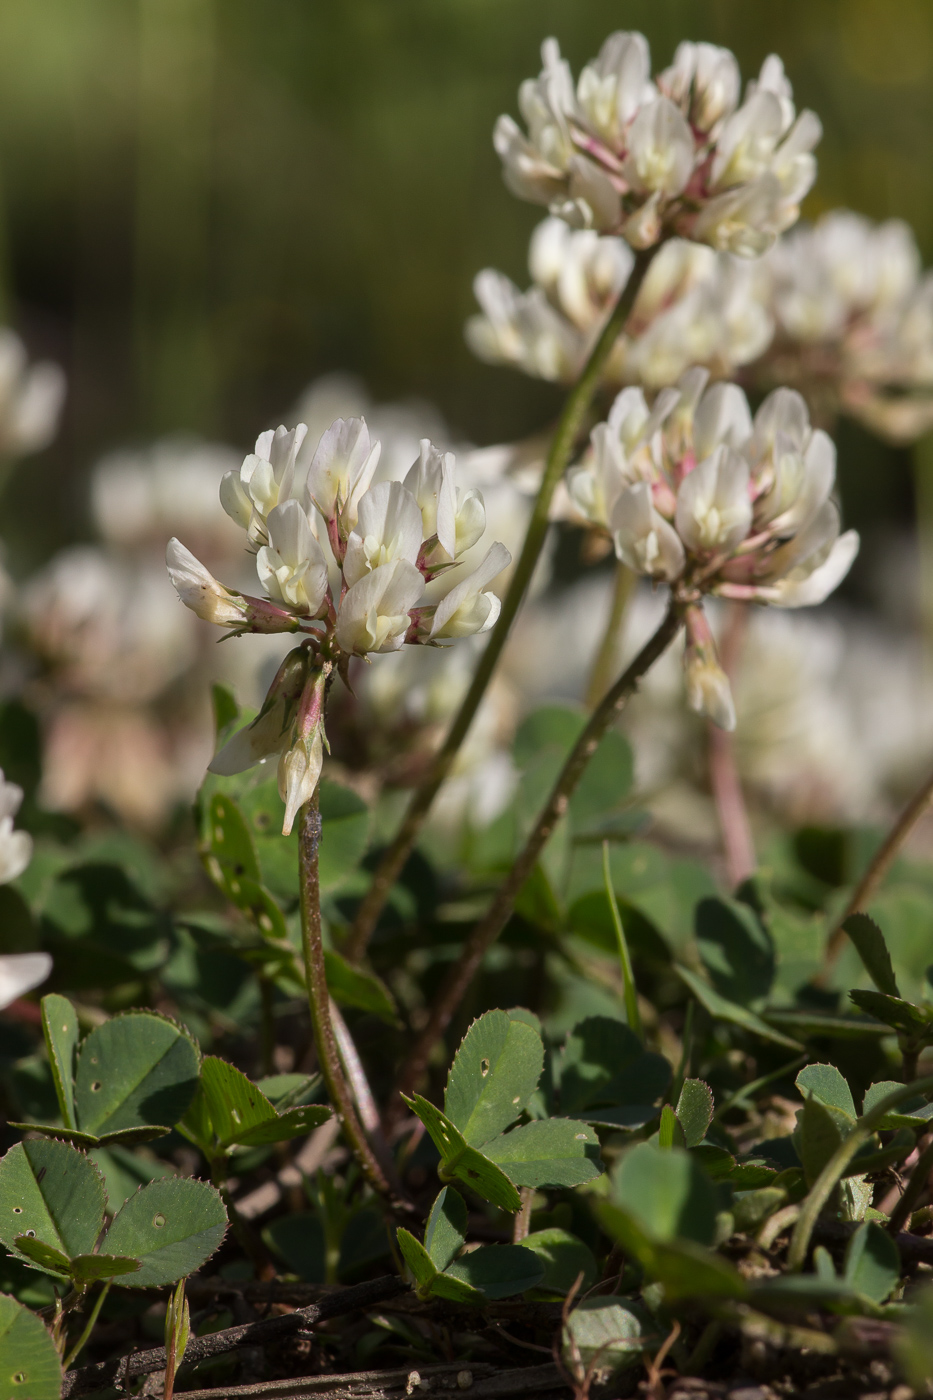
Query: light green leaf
[
  {"x": 60, "y": 1027},
  {"x": 52, "y": 1260},
  {"x": 171, "y": 1226},
  {"x": 670, "y": 1133},
  {"x": 550, "y": 1152},
  {"x": 695, "y": 1110},
  {"x": 460, "y": 1160},
  {"x": 294, "y": 1122},
  {"x": 826, "y": 1083},
  {"x": 902, "y": 1015},
  {"x": 913, "y": 1113},
  {"x": 30, "y": 1366},
  {"x": 231, "y": 845},
  {"x": 820, "y": 1130},
  {"x": 685, "y": 1268},
  {"x": 494, "y": 1074},
  {"x": 446, "y": 1229},
  {"x": 418, "y": 1260},
  {"x": 52, "y": 1193}
]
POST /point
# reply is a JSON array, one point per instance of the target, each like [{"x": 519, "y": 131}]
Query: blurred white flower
[
  {"x": 15, "y": 846},
  {"x": 143, "y": 495},
  {"x": 20, "y": 972},
  {"x": 621, "y": 155},
  {"x": 31, "y": 398}
]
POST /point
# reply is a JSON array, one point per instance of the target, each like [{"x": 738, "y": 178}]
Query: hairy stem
[
  {"x": 881, "y": 863},
  {"x": 562, "y": 445},
  {"x": 826, "y": 1182},
  {"x": 309, "y": 837},
  {"x": 604, "y": 666},
  {"x": 914, "y": 1189},
  {"x": 738, "y": 846},
  {"x": 488, "y": 929}
]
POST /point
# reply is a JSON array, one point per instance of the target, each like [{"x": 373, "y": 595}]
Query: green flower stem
[
  {"x": 881, "y": 863},
  {"x": 488, "y": 929},
  {"x": 562, "y": 444},
  {"x": 604, "y": 667},
  {"x": 89, "y": 1326},
  {"x": 629, "y": 990},
  {"x": 309, "y": 838},
  {"x": 826, "y": 1182},
  {"x": 914, "y": 1189}
]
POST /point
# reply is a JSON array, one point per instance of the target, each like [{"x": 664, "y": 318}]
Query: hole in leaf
[
  {"x": 484, "y": 1067},
  {"x": 235, "y": 886},
  {"x": 19, "y": 1377},
  {"x": 265, "y": 923},
  {"x": 95, "y": 1086},
  {"x": 30, "y": 1234},
  {"x": 234, "y": 1114},
  {"x": 580, "y": 1137},
  {"x": 158, "y": 1221},
  {"x": 218, "y": 833},
  {"x": 517, "y": 1099},
  {"x": 17, "y": 1210}
]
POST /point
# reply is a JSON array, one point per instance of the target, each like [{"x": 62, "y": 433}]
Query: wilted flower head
[
  {"x": 707, "y": 499},
  {"x": 355, "y": 568},
  {"x": 622, "y": 154}
]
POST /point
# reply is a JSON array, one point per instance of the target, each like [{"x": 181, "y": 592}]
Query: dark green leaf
[
  {"x": 685, "y": 1268},
  {"x": 52, "y": 1260},
  {"x": 53, "y": 1193},
  {"x": 460, "y": 1160},
  {"x": 722, "y": 1009},
  {"x": 171, "y": 1226},
  {"x": 446, "y": 1229},
  {"x": 896, "y": 1012},
  {"x": 821, "y": 1129},
  {"x": 29, "y": 1363},
  {"x": 606, "y": 1075},
  {"x": 565, "y": 1258},
  {"x": 88, "y": 1268},
  {"x": 299, "y": 1240},
  {"x": 136, "y": 1070},
  {"x": 351, "y": 986},
  {"x": 667, "y": 1193},
  {"x": 294, "y": 1122},
  {"x": 226, "y": 709},
  {"x": 494, "y": 1074},
  {"x": 736, "y": 949},
  {"x": 609, "y": 1334},
  {"x": 872, "y": 1263},
  {"x": 498, "y": 1270},
  {"x": 551, "y": 1152},
  {"x": 60, "y": 1027},
  {"x": 872, "y": 949},
  {"x": 234, "y": 1104},
  {"x": 344, "y": 834},
  {"x": 695, "y": 1110}
]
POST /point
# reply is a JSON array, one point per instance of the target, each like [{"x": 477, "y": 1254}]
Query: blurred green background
[{"x": 206, "y": 203}]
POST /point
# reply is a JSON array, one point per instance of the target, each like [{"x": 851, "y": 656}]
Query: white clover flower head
[
  {"x": 355, "y": 588},
  {"x": 700, "y": 495},
  {"x": 622, "y": 155}
]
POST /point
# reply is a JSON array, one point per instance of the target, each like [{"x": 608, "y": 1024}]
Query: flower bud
[
  {"x": 708, "y": 690},
  {"x": 298, "y": 774}
]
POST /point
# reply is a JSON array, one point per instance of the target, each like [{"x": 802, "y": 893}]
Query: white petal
[{"x": 20, "y": 972}]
